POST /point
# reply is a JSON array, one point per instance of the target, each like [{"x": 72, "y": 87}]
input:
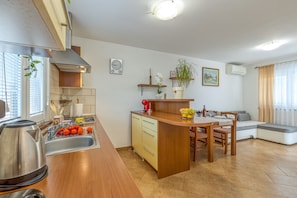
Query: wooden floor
[{"x": 260, "y": 169}]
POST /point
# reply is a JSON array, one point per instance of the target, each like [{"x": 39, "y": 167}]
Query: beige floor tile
[{"x": 260, "y": 169}]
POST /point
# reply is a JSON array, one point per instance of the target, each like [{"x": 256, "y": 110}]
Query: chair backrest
[{"x": 231, "y": 115}]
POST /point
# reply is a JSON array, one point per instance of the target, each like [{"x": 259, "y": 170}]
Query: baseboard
[{"x": 124, "y": 148}]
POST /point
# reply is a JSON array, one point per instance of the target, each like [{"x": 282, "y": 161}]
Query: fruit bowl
[{"x": 187, "y": 113}]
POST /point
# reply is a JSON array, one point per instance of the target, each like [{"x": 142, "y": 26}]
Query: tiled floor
[{"x": 260, "y": 169}]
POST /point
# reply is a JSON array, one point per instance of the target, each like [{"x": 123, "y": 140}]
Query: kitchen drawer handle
[
  {"x": 149, "y": 151},
  {"x": 136, "y": 118},
  {"x": 149, "y": 134},
  {"x": 149, "y": 122}
]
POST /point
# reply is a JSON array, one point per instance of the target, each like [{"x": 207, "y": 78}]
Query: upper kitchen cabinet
[{"x": 34, "y": 23}]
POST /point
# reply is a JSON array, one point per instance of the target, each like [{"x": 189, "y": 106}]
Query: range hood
[{"x": 69, "y": 60}]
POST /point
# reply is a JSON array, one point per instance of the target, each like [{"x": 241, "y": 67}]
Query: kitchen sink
[{"x": 71, "y": 144}]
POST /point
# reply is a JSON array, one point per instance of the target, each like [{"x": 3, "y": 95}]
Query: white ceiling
[{"x": 221, "y": 30}]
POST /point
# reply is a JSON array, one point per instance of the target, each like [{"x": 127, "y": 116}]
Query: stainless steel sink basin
[{"x": 71, "y": 144}]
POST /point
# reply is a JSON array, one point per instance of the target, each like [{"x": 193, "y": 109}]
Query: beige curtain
[{"x": 265, "y": 93}]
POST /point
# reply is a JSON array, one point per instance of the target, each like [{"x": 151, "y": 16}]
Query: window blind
[{"x": 10, "y": 84}]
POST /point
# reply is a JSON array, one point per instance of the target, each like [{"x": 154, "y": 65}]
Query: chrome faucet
[{"x": 52, "y": 131}]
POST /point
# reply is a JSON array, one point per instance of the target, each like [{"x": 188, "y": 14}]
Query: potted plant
[{"x": 184, "y": 74}]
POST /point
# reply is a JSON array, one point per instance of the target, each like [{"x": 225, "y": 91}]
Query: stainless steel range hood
[{"x": 69, "y": 60}]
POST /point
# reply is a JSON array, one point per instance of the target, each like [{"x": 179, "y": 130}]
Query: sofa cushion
[
  {"x": 244, "y": 117},
  {"x": 279, "y": 128}
]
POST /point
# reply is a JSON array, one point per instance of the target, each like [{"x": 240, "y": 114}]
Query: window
[
  {"x": 25, "y": 97},
  {"x": 285, "y": 85},
  {"x": 285, "y": 93}
]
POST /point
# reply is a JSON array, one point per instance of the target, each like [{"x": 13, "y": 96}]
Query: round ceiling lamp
[
  {"x": 167, "y": 9},
  {"x": 271, "y": 45}
]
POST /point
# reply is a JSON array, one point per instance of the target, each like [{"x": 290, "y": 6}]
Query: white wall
[
  {"x": 250, "y": 94},
  {"x": 118, "y": 95}
]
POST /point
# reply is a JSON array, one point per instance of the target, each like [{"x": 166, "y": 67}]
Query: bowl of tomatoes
[{"x": 73, "y": 130}]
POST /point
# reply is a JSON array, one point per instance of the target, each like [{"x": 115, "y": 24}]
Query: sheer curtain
[
  {"x": 265, "y": 93},
  {"x": 285, "y": 94}
]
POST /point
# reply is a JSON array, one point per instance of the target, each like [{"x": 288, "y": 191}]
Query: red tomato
[
  {"x": 89, "y": 129},
  {"x": 80, "y": 131},
  {"x": 74, "y": 131},
  {"x": 60, "y": 131},
  {"x": 66, "y": 132}
]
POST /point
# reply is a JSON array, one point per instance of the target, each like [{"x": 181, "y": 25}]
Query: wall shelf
[
  {"x": 148, "y": 85},
  {"x": 174, "y": 78}
]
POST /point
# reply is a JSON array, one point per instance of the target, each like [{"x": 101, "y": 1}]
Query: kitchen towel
[{"x": 77, "y": 110}]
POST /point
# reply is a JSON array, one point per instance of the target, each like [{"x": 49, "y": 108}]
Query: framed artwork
[
  {"x": 210, "y": 76},
  {"x": 172, "y": 74},
  {"x": 116, "y": 66}
]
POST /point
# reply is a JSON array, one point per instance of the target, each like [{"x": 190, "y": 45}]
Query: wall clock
[{"x": 116, "y": 66}]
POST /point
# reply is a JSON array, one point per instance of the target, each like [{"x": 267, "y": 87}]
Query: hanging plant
[{"x": 31, "y": 69}]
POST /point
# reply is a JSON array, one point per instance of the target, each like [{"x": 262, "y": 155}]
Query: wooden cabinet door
[
  {"x": 137, "y": 134},
  {"x": 55, "y": 16},
  {"x": 150, "y": 141}
]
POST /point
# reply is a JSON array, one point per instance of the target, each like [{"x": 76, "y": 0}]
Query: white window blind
[{"x": 10, "y": 84}]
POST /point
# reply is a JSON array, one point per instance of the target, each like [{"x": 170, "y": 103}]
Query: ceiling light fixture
[
  {"x": 271, "y": 45},
  {"x": 167, "y": 9}
]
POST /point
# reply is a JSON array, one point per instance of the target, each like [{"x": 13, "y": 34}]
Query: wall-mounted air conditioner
[{"x": 235, "y": 69}]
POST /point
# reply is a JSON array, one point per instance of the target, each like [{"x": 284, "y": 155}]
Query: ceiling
[{"x": 221, "y": 30}]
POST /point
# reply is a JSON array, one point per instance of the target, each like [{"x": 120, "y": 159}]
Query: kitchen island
[
  {"x": 93, "y": 173},
  {"x": 162, "y": 137}
]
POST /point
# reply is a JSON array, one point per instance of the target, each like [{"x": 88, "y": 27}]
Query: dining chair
[
  {"x": 221, "y": 134},
  {"x": 197, "y": 134}
]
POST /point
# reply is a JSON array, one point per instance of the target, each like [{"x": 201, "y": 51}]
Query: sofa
[{"x": 247, "y": 128}]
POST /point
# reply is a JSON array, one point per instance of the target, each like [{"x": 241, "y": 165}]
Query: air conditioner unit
[{"x": 235, "y": 69}]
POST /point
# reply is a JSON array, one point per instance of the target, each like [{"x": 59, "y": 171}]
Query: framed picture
[
  {"x": 210, "y": 76},
  {"x": 116, "y": 66},
  {"x": 172, "y": 74}
]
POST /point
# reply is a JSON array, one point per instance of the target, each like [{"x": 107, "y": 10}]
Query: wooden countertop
[
  {"x": 93, "y": 173},
  {"x": 170, "y": 100},
  {"x": 175, "y": 119}
]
